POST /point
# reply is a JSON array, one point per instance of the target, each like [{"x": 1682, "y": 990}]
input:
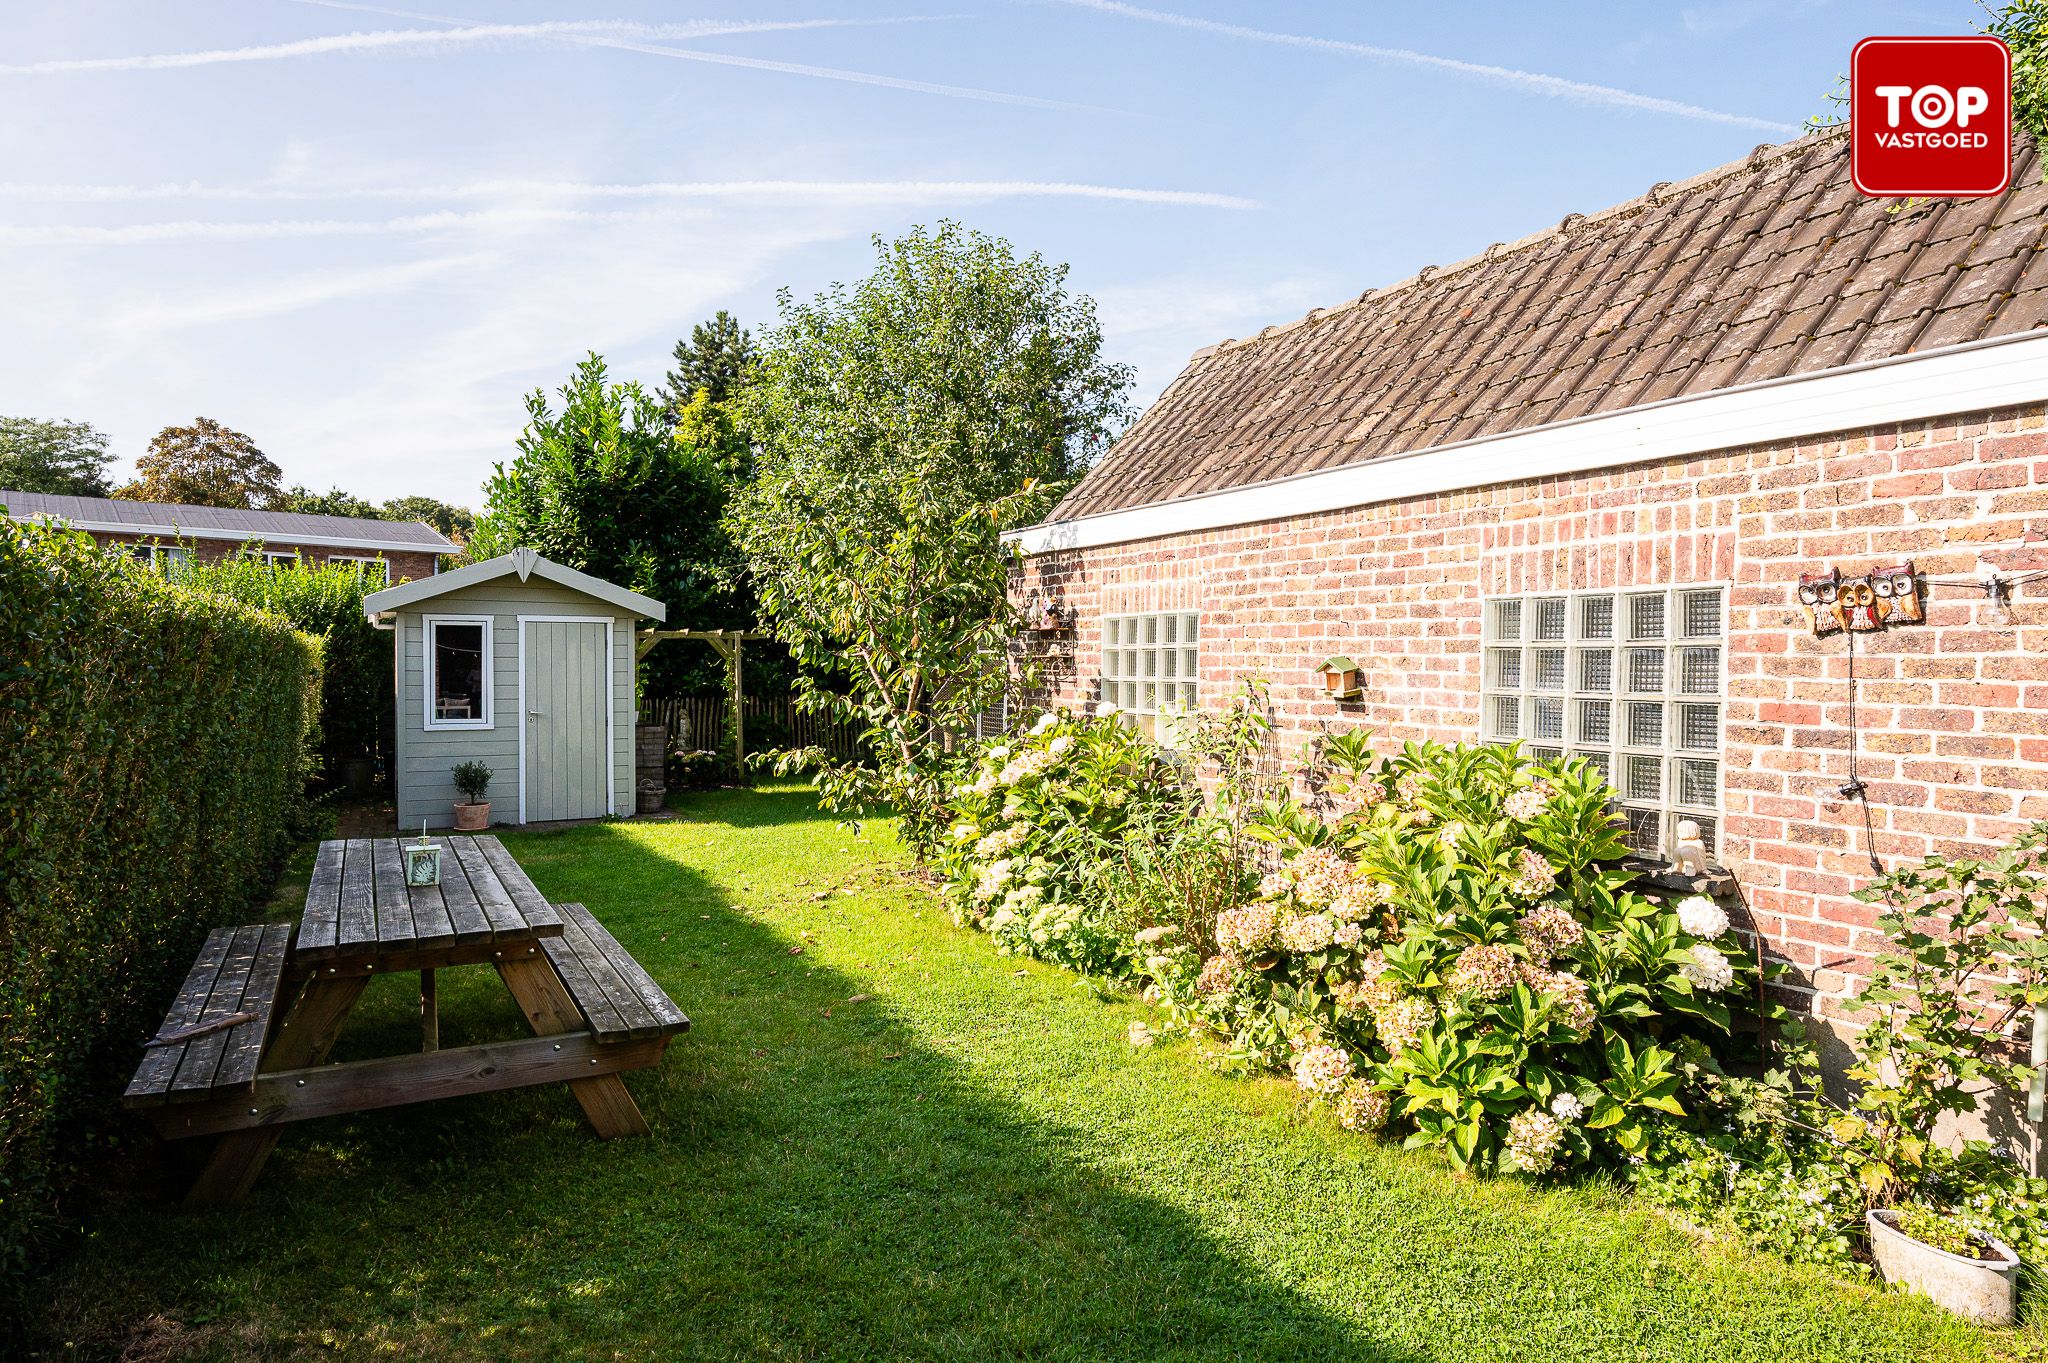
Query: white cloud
[
  {"x": 1534, "y": 82},
  {"x": 848, "y": 191},
  {"x": 428, "y": 40}
]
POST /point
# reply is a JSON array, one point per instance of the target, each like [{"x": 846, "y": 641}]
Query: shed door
[{"x": 567, "y": 701}]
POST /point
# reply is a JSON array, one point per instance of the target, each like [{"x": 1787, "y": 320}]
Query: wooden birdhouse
[{"x": 1343, "y": 679}]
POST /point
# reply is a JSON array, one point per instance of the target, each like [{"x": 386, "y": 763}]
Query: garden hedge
[
  {"x": 357, "y": 710},
  {"x": 153, "y": 755}
]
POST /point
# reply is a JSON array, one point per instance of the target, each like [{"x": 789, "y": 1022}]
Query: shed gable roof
[
  {"x": 522, "y": 563},
  {"x": 1771, "y": 267}
]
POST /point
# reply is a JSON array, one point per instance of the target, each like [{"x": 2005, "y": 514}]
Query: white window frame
[
  {"x": 428, "y": 624},
  {"x": 274, "y": 557},
  {"x": 1626, "y": 753},
  {"x": 1151, "y": 668},
  {"x": 158, "y": 556},
  {"x": 382, "y": 564}
]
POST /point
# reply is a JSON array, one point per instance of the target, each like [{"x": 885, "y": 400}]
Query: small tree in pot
[{"x": 472, "y": 811}]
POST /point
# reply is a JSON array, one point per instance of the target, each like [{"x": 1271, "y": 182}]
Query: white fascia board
[
  {"x": 1976, "y": 376},
  {"x": 185, "y": 532},
  {"x": 505, "y": 565}
]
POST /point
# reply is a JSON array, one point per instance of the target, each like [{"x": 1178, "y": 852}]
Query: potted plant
[
  {"x": 1967, "y": 1272},
  {"x": 472, "y": 812}
]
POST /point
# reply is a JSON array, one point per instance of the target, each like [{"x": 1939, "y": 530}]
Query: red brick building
[
  {"x": 1565, "y": 492},
  {"x": 400, "y": 550}
]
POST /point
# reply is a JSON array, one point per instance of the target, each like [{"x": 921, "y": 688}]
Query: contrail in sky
[{"x": 1535, "y": 82}]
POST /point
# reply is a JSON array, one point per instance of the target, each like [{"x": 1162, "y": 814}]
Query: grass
[{"x": 882, "y": 1141}]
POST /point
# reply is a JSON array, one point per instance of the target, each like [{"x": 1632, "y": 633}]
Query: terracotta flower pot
[
  {"x": 473, "y": 818},
  {"x": 1977, "y": 1289}
]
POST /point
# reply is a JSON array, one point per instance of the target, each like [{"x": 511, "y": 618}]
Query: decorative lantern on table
[
  {"x": 1343, "y": 679},
  {"x": 423, "y": 861}
]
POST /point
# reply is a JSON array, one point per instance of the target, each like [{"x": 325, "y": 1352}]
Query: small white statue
[{"x": 1692, "y": 850}]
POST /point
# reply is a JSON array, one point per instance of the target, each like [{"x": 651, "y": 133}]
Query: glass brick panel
[
  {"x": 1596, "y": 617},
  {"x": 1702, "y": 615},
  {"x": 1507, "y": 668},
  {"x": 1187, "y": 662},
  {"x": 1507, "y": 619},
  {"x": 1169, "y": 630},
  {"x": 1169, "y": 663},
  {"x": 1148, "y": 662},
  {"x": 1549, "y": 717},
  {"x": 1646, "y": 617},
  {"x": 1596, "y": 669},
  {"x": 1150, "y": 625},
  {"x": 1699, "y": 671},
  {"x": 1550, "y": 669},
  {"x": 1699, "y": 727},
  {"x": 1645, "y": 724},
  {"x": 1550, "y": 618},
  {"x": 1710, "y": 833},
  {"x": 1698, "y": 782},
  {"x": 1187, "y": 695},
  {"x": 1596, "y": 721},
  {"x": 1507, "y": 717},
  {"x": 1643, "y": 778},
  {"x": 1546, "y": 754},
  {"x": 1600, "y": 762},
  {"x": 1643, "y": 831},
  {"x": 1645, "y": 670}
]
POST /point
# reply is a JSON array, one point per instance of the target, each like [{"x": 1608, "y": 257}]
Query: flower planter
[
  {"x": 472, "y": 818},
  {"x": 651, "y": 799},
  {"x": 1977, "y": 1289}
]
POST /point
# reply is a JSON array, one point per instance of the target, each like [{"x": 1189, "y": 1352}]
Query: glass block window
[
  {"x": 1629, "y": 681},
  {"x": 1149, "y": 663}
]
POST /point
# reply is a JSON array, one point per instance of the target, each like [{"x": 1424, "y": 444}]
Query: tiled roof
[
  {"x": 171, "y": 519},
  {"x": 1768, "y": 267}
]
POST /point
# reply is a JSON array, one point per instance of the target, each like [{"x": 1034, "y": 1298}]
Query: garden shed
[{"x": 522, "y": 664}]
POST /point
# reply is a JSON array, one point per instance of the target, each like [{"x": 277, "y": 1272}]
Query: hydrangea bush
[
  {"x": 1032, "y": 818},
  {"x": 1456, "y": 953}
]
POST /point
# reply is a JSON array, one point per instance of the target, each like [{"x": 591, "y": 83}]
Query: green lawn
[{"x": 894, "y": 1144}]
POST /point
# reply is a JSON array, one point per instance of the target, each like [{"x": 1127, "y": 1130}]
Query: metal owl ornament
[{"x": 1864, "y": 603}]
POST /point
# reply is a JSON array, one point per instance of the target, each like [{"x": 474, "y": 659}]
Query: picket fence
[{"x": 772, "y": 722}]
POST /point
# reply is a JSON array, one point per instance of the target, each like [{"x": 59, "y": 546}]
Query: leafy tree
[
  {"x": 600, "y": 485},
  {"x": 901, "y": 426},
  {"x": 205, "y": 464},
  {"x": 714, "y": 427},
  {"x": 66, "y": 458},
  {"x": 2023, "y": 26},
  {"x": 456, "y": 522},
  {"x": 333, "y": 502},
  {"x": 713, "y": 360}
]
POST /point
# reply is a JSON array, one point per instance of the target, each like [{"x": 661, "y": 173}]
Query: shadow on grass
[{"x": 820, "y": 1185}]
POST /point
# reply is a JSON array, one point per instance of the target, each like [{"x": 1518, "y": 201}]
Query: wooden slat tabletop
[{"x": 358, "y": 903}]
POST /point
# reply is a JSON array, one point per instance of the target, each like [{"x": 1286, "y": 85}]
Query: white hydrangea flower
[
  {"x": 1702, "y": 917},
  {"x": 1045, "y": 721},
  {"x": 1060, "y": 745},
  {"x": 1566, "y": 1107},
  {"x": 1107, "y": 708},
  {"x": 1708, "y": 970}
]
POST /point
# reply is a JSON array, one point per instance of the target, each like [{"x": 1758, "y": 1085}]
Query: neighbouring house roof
[
  {"x": 1764, "y": 270},
  {"x": 522, "y": 563},
  {"x": 173, "y": 520}
]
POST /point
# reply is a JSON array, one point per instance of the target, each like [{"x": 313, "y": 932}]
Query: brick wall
[
  {"x": 1953, "y": 714},
  {"x": 404, "y": 566}
]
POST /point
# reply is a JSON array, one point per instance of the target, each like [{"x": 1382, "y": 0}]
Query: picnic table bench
[{"x": 242, "y": 1050}]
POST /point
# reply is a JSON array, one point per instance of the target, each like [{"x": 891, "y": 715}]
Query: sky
[{"x": 363, "y": 233}]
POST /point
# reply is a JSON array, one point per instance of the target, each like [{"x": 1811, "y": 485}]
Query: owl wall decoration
[{"x": 1862, "y": 604}]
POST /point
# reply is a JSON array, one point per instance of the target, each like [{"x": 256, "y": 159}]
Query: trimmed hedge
[
  {"x": 152, "y": 768},
  {"x": 357, "y": 710}
]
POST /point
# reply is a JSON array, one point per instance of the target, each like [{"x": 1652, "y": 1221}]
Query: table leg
[
  {"x": 549, "y": 1009},
  {"x": 305, "y": 1039},
  {"x": 430, "y": 1013}
]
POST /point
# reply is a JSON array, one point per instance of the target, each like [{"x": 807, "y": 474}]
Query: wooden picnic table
[{"x": 218, "y": 1068}]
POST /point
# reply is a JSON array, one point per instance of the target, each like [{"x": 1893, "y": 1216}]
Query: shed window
[
  {"x": 1630, "y": 681},
  {"x": 458, "y": 680}
]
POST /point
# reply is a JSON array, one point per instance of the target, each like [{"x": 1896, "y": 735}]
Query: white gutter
[
  {"x": 242, "y": 536},
  {"x": 2005, "y": 371}
]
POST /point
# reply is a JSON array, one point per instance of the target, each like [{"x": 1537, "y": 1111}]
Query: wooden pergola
[{"x": 727, "y": 642}]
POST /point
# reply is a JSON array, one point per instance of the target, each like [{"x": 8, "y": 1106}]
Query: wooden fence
[{"x": 772, "y": 722}]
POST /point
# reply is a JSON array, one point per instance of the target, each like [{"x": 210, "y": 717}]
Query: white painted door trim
[{"x": 611, "y": 702}]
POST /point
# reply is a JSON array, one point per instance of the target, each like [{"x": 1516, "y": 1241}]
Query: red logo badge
[{"x": 1930, "y": 117}]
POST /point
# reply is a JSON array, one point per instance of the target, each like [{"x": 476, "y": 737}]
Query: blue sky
[{"x": 361, "y": 233}]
